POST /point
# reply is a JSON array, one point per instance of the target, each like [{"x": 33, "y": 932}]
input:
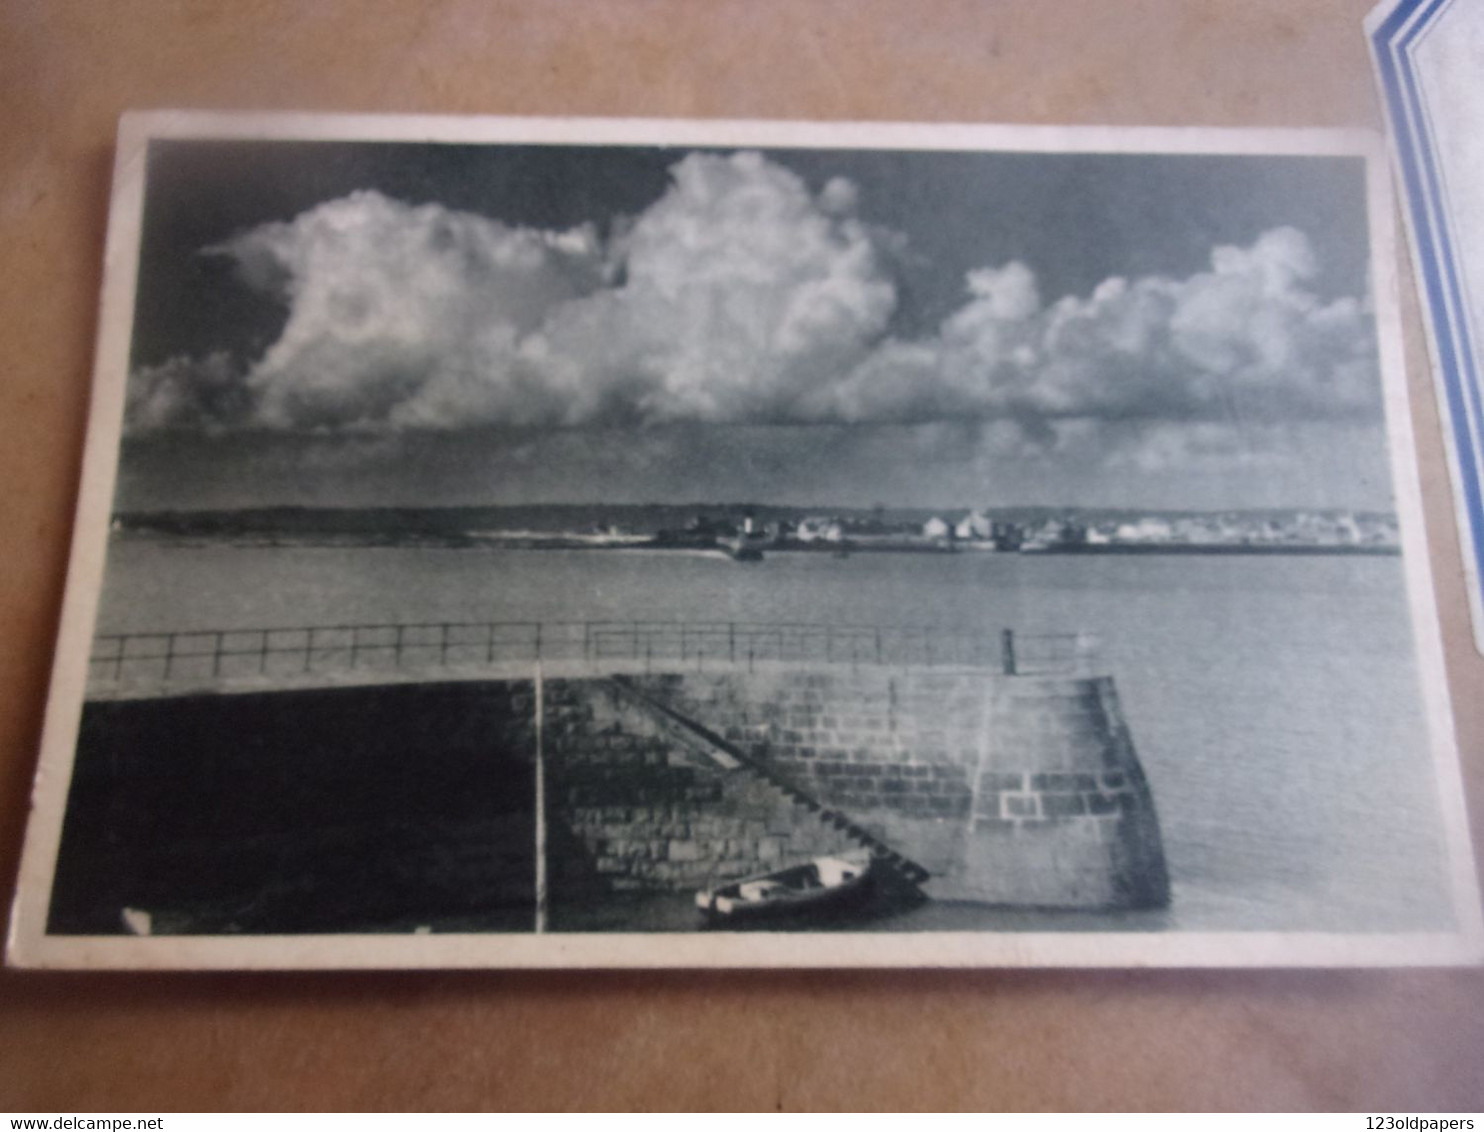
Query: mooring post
[{"x": 1007, "y": 650}]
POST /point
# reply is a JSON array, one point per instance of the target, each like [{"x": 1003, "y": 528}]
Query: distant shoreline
[
  {"x": 746, "y": 530},
  {"x": 838, "y": 550}
]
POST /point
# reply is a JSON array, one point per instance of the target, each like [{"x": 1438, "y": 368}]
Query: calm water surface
[{"x": 1274, "y": 701}]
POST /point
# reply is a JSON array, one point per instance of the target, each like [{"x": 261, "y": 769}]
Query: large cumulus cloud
[
  {"x": 391, "y": 307},
  {"x": 741, "y": 297},
  {"x": 1246, "y": 340},
  {"x": 724, "y": 301}
]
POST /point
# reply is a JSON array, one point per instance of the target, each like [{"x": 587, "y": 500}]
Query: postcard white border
[{"x": 30, "y": 946}]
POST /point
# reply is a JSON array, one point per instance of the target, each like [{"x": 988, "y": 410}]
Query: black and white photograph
[{"x": 566, "y": 543}]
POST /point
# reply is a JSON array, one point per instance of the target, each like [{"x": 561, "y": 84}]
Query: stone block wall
[
  {"x": 1063, "y": 796},
  {"x": 1021, "y": 790},
  {"x": 855, "y": 739},
  {"x": 653, "y": 807}
]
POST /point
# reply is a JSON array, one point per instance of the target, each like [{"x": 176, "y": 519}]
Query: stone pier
[
  {"x": 657, "y": 807},
  {"x": 1017, "y": 790},
  {"x": 385, "y": 806}
]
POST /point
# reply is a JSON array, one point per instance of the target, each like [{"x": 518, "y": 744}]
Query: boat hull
[{"x": 823, "y": 887}]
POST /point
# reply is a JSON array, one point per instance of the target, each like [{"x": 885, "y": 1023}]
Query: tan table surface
[{"x": 1378, "y": 1041}]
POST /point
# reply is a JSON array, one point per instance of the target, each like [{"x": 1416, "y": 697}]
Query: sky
[{"x": 362, "y": 324}]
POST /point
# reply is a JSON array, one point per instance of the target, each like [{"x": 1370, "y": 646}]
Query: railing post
[
  {"x": 489, "y": 642},
  {"x": 443, "y": 645},
  {"x": 538, "y": 640},
  {"x": 355, "y": 646},
  {"x": 587, "y": 640},
  {"x": 1007, "y": 651}
]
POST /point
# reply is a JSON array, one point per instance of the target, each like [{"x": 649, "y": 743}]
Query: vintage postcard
[{"x": 629, "y": 543}]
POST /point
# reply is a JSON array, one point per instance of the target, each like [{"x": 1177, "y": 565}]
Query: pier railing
[{"x": 230, "y": 655}]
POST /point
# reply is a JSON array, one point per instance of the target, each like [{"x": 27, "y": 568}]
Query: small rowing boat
[{"x": 822, "y": 883}]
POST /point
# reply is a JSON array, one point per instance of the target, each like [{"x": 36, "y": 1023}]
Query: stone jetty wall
[
  {"x": 860, "y": 739},
  {"x": 1021, "y": 790},
  {"x": 386, "y": 807},
  {"x": 654, "y": 807},
  {"x": 1062, "y": 798}
]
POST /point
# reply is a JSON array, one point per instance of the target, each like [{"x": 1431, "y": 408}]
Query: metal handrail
[{"x": 230, "y": 653}]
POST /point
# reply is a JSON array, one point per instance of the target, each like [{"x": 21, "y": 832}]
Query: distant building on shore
[
  {"x": 936, "y": 528},
  {"x": 815, "y": 529},
  {"x": 974, "y": 527}
]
